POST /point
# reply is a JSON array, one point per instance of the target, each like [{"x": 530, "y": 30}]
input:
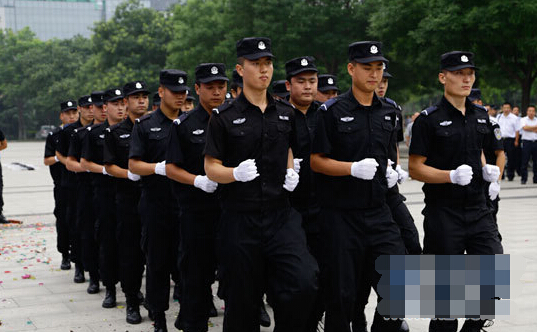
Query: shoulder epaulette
[
  {"x": 181, "y": 118},
  {"x": 327, "y": 104},
  {"x": 223, "y": 107},
  {"x": 284, "y": 102},
  {"x": 392, "y": 102},
  {"x": 429, "y": 110},
  {"x": 479, "y": 107},
  {"x": 143, "y": 117}
]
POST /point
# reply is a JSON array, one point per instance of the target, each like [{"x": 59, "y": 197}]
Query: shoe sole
[
  {"x": 93, "y": 292},
  {"x": 134, "y": 322},
  {"x": 109, "y": 306},
  {"x": 79, "y": 281}
]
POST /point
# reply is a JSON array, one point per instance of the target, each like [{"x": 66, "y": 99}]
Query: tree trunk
[{"x": 526, "y": 90}]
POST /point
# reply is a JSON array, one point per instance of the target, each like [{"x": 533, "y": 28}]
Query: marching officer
[
  {"x": 326, "y": 88},
  {"x": 236, "y": 84},
  {"x": 446, "y": 154},
  {"x": 156, "y": 102},
  {"x": 279, "y": 90}
]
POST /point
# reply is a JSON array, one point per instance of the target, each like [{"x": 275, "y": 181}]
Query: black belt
[{"x": 529, "y": 140}]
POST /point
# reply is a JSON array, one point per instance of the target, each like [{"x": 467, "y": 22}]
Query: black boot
[
  {"x": 160, "y": 322},
  {"x": 404, "y": 326},
  {"x": 3, "y": 219},
  {"x": 471, "y": 325},
  {"x": 133, "y": 310},
  {"x": 264, "y": 318},
  {"x": 66, "y": 263},
  {"x": 93, "y": 287},
  {"x": 79, "y": 274},
  {"x": 110, "y": 298}
]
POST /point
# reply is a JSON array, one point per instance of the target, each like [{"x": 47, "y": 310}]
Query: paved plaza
[{"x": 35, "y": 295}]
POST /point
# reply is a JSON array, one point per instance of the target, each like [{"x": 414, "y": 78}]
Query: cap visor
[
  {"x": 301, "y": 70},
  {"x": 176, "y": 88},
  {"x": 69, "y": 109},
  {"x": 327, "y": 88},
  {"x": 137, "y": 91},
  {"x": 387, "y": 75},
  {"x": 212, "y": 79},
  {"x": 114, "y": 98},
  {"x": 460, "y": 67},
  {"x": 256, "y": 56},
  {"x": 99, "y": 103},
  {"x": 370, "y": 59}
]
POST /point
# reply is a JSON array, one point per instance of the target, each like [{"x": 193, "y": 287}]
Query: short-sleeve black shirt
[
  {"x": 92, "y": 150},
  {"x": 449, "y": 139},
  {"x": 348, "y": 131},
  {"x": 495, "y": 142},
  {"x": 50, "y": 151},
  {"x": 64, "y": 140},
  {"x": 240, "y": 131},
  {"x": 185, "y": 149},
  {"x": 75, "y": 150},
  {"x": 148, "y": 143}
]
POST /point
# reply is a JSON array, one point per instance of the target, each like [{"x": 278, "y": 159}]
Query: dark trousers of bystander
[{"x": 529, "y": 150}]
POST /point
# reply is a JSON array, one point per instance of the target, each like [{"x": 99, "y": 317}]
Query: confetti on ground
[{"x": 121, "y": 307}]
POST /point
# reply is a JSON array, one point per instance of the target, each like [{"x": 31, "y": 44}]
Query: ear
[
  {"x": 442, "y": 78},
  {"x": 288, "y": 85},
  {"x": 197, "y": 88},
  {"x": 240, "y": 69},
  {"x": 161, "y": 92},
  {"x": 350, "y": 68}
]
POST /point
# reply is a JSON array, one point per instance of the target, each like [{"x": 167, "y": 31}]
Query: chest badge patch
[
  {"x": 283, "y": 117},
  {"x": 347, "y": 119},
  {"x": 198, "y": 131},
  {"x": 101, "y": 136},
  {"x": 387, "y": 118},
  {"x": 239, "y": 121},
  {"x": 498, "y": 133},
  {"x": 445, "y": 123},
  {"x": 481, "y": 121},
  {"x": 125, "y": 136},
  {"x": 154, "y": 129}
]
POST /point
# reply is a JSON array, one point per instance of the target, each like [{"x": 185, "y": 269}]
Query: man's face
[
  {"x": 531, "y": 112},
  {"x": 188, "y": 106},
  {"x": 137, "y": 103},
  {"x": 516, "y": 111},
  {"x": 457, "y": 83},
  {"x": 171, "y": 100},
  {"x": 382, "y": 88},
  {"x": 257, "y": 73},
  {"x": 506, "y": 109},
  {"x": 70, "y": 116},
  {"x": 323, "y": 96},
  {"x": 366, "y": 76},
  {"x": 211, "y": 94},
  {"x": 116, "y": 110},
  {"x": 236, "y": 93},
  {"x": 302, "y": 88},
  {"x": 99, "y": 113},
  {"x": 86, "y": 113},
  {"x": 492, "y": 111}
]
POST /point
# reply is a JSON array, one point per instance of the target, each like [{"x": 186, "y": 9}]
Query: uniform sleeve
[
  {"x": 322, "y": 141},
  {"x": 74, "y": 146},
  {"x": 293, "y": 137},
  {"x": 50, "y": 149},
  {"x": 63, "y": 143},
  {"x": 109, "y": 148},
  {"x": 2, "y": 136},
  {"x": 421, "y": 137},
  {"x": 138, "y": 143},
  {"x": 85, "y": 148},
  {"x": 174, "y": 152},
  {"x": 214, "y": 146},
  {"x": 496, "y": 140},
  {"x": 400, "y": 136}
]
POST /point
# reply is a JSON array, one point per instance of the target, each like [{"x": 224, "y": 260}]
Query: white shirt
[
  {"x": 528, "y": 135},
  {"x": 508, "y": 125}
]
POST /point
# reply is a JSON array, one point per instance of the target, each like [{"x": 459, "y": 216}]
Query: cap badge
[
  {"x": 330, "y": 80},
  {"x": 304, "y": 62},
  {"x": 138, "y": 85},
  {"x": 181, "y": 80},
  {"x": 89, "y": 100},
  {"x": 383, "y": 66},
  {"x": 228, "y": 95},
  {"x": 69, "y": 104},
  {"x": 374, "y": 49},
  {"x": 214, "y": 70},
  {"x": 118, "y": 92},
  {"x": 464, "y": 58},
  {"x": 261, "y": 45}
]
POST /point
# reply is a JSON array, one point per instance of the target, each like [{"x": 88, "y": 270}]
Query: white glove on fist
[
  {"x": 204, "y": 183},
  {"x": 160, "y": 168},
  {"x": 494, "y": 190},
  {"x": 462, "y": 175},
  {"x": 246, "y": 171},
  {"x": 491, "y": 173},
  {"x": 133, "y": 177},
  {"x": 104, "y": 171},
  {"x": 364, "y": 169},
  {"x": 296, "y": 164},
  {"x": 391, "y": 176},
  {"x": 291, "y": 180},
  {"x": 403, "y": 175}
]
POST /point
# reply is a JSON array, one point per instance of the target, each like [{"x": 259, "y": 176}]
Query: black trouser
[
  {"x": 509, "y": 148},
  {"x": 197, "y": 266},
  {"x": 104, "y": 198},
  {"x": 62, "y": 226},
  {"x": 455, "y": 229},
  {"x": 352, "y": 240},
  {"x": 86, "y": 222},
  {"x": 493, "y": 206},
  {"x": 129, "y": 234},
  {"x": 160, "y": 243},
  {"x": 74, "y": 232},
  {"x": 271, "y": 245},
  {"x": 529, "y": 149}
]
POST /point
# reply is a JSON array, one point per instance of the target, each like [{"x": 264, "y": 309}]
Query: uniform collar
[
  {"x": 350, "y": 97},
  {"x": 160, "y": 117},
  {"x": 200, "y": 113},
  {"x": 447, "y": 105},
  {"x": 242, "y": 103}
]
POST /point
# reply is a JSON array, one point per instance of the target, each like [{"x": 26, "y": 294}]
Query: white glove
[
  {"x": 133, "y": 177},
  {"x": 104, "y": 171},
  {"x": 494, "y": 190},
  {"x": 56, "y": 158},
  {"x": 296, "y": 164},
  {"x": 291, "y": 180},
  {"x": 160, "y": 168},
  {"x": 204, "y": 183},
  {"x": 491, "y": 173},
  {"x": 364, "y": 169},
  {"x": 403, "y": 175},
  {"x": 246, "y": 171},
  {"x": 391, "y": 176},
  {"x": 462, "y": 175}
]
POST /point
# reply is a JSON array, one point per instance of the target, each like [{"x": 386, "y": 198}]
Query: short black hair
[
  {"x": 507, "y": 103},
  {"x": 531, "y": 106},
  {"x": 240, "y": 60}
]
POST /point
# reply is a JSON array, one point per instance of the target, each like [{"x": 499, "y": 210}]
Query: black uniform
[
  {"x": 158, "y": 210},
  {"x": 117, "y": 140},
  {"x": 60, "y": 195},
  {"x": 199, "y": 216},
  {"x": 69, "y": 182},
  {"x": 457, "y": 218},
  {"x": 259, "y": 234},
  {"x": 356, "y": 223},
  {"x": 495, "y": 143},
  {"x": 103, "y": 196}
]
